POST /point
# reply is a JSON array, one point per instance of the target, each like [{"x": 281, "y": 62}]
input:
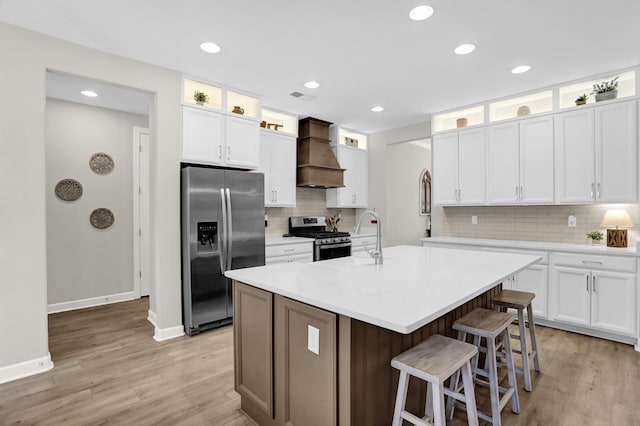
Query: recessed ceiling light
[
  {"x": 420, "y": 13},
  {"x": 312, "y": 85},
  {"x": 210, "y": 47},
  {"x": 463, "y": 49},
  {"x": 520, "y": 69},
  {"x": 89, "y": 93},
  {"x": 377, "y": 109}
]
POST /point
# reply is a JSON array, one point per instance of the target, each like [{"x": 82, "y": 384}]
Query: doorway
[{"x": 95, "y": 246}]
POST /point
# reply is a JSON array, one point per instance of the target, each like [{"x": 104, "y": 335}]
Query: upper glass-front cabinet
[
  {"x": 534, "y": 103},
  {"x": 457, "y": 119},
  {"x": 569, "y": 94},
  {"x": 220, "y": 98},
  {"x": 210, "y": 96},
  {"x": 242, "y": 104},
  {"x": 279, "y": 121}
]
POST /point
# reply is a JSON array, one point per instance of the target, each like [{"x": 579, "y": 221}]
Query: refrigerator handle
[
  {"x": 229, "y": 229},
  {"x": 223, "y": 233}
]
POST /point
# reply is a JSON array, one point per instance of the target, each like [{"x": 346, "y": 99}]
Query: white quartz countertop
[
  {"x": 275, "y": 240},
  {"x": 538, "y": 245},
  {"x": 413, "y": 287}
]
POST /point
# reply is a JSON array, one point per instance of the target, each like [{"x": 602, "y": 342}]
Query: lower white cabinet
[
  {"x": 362, "y": 243},
  {"x": 292, "y": 252},
  {"x": 534, "y": 280},
  {"x": 603, "y": 300}
]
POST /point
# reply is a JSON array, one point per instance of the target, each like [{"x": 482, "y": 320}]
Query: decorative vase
[
  {"x": 606, "y": 96},
  {"x": 581, "y": 102},
  {"x": 238, "y": 109},
  {"x": 201, "y": 103},
  {"x": 461, "y": 122},
  {"x": 524, "y": 110},
  {"x": 595, "y": 242}
]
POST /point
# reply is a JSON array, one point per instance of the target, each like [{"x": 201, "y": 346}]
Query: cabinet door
[
  {"x": 536, "y": 161},
  {"x": 575, "y": 157},
  {"x": 283, "y": 170},
  {"x": 445, "y": 169},
  {"x": 202, "y": 136},
  {"x": 534, "y": 280},
  {"x": 362, "y": 177},
  {"x": 264, "y": 166},
  {"x": 354, "y": 193},
  {"x": 242, "y": 143},
  {"x": 616, "y": 153},
  {"x": 471, "y": 168},
  {"x": 502, "y": 164},
  {"x": 614, "y": 302},
  {"x": 300, "y": 367},
  {"x": 570, "y": 299}
]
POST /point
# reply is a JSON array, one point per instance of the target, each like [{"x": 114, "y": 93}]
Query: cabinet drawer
[
  {"x": 543, "y": 254},
  {"x": 288, "y": 249},
  {"x": 595, "y": 262},
  {"x": 361, "y": 242},
  {"x": 301, "y": 258}
]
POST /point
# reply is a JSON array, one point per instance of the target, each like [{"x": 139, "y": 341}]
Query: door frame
[{"x": 141, "y": 219}]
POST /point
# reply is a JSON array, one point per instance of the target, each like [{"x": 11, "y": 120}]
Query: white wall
[
  {"x": 25, "y": 58},
  {"x": 405, "y": 163},
  {"x": 377, "y": 147},
  {"x": 84, "y": 262}
]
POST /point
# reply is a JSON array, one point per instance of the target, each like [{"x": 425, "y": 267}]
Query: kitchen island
[{"x": 313, "y": 342}]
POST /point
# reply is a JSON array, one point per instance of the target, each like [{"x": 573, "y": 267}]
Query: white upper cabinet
[
  {"x": 616, "y": 153},
  {"x": 242, "y": 143},
  {"x": 596, "y": 154},
  {"x": 354, "y": 193},
  {"x": 202, "y": 136},
  {"x": 278, "y": 163},
  {"x": 520, "y": 162},
  {"x": 458, "y": 170}
]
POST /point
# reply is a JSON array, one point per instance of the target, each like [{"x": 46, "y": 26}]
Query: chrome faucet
[{"x": 377, "y": 253}]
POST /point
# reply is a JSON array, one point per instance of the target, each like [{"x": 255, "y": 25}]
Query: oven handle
[{"x": 332, "y": 246}]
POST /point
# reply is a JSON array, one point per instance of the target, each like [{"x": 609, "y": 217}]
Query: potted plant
[
  {"x": 606, "y": 90},
  {"x": 201, "y": 98},
  {"x": 595, "y": 236},
  {"x": 582, "y": 99}
]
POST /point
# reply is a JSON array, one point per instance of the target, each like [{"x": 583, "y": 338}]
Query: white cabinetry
[
  {"x": 520, "y": 162},
  {"x": 596, "y": 298},
  {"x": 354, "y": 193},
  {"x": 298, "y": 251},
  {"x": 458, "y": 167},
  {"x": 360, "y": 243},
  {"x": 215, "y": 138},
  {"x": 278, "y": 163},
  {"x": 596, "y": 154}
]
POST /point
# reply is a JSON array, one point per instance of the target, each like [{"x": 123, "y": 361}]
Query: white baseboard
[
  {"x": 151, "y": 317},
  {"x": 94, "y": 301},
  {"x": 25, "y": 369},
  {"x": 162, "y": 334}
]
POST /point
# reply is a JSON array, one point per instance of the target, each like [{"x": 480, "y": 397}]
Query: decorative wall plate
[
  {"x": 68, "y": 190},
  {"x": 101, "y": 218},
  {"x": 101, "y": 163}
]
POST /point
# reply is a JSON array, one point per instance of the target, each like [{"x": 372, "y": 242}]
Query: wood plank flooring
[{"x": 110, "y": 371}]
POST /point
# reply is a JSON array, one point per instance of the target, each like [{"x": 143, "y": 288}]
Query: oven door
[{"x": 331, "y": 251}]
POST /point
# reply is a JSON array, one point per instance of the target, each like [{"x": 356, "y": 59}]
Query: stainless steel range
[{"x": 327, "y": 245}]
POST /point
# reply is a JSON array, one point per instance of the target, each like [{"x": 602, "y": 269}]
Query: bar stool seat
[
  {"x": 521, "y": 300},
  {"x": 434, "y": 361},
  {"x": 490, "y": 325}
]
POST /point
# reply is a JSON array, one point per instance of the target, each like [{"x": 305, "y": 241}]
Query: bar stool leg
[
  {"x": 428, "y": 406},
  {"x": 455, "y": 380},
  {"x": 511, "y": 373},
  {"x": 438, "y": 406},
  {"x": 401, "y": 397},
  {"x": 523, "y": 348},
  {"x": 532, "y": 333},
  {"x": 493, "y": 382},
  {"x": 467, "y": 380}
]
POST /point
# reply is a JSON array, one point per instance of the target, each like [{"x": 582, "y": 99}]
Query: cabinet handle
[
  {"x": 276, "y": 195},
  {"x": 521, "y": 193},
  {"x": 517, "y": 193},
  {"x": 594, "y": 284},
  {"x": 228, "y": 152},
  {"x": 598, "y": 191},
  {"x": 591, "y": 190},
  {"x": 587, "y": 277},
  {"x": 219, "y": 152},
  {"x": 289, "y": 250},
  {"x": 459, "y": 194},
  {"x": 595, "y": 262}
]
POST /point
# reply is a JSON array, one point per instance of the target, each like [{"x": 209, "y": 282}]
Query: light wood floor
[{"x": 110, "y": 371}]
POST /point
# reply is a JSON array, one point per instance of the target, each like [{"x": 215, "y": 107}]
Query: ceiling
[{"x": 363, "y": 52}]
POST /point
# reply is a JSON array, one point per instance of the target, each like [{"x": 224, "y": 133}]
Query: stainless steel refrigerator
[{"x": 222, "y": 229}]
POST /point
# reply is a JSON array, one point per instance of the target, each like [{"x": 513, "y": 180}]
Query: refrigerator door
[
  {"x": 245, "y": 203},
  {"x": 204, "y": 285}
]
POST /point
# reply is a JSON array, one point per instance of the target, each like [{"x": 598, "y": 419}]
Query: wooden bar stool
[
  {"x": 520, "y": 300},
  {"x": 490, "y": 325},
  {"x": 434, "y": 361}
]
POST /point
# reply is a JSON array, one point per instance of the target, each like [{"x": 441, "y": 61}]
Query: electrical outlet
[
  {"x": 474, "y": 220},
  {"x": 313, "y": 339},
  {"x": 571, "y": 221}
]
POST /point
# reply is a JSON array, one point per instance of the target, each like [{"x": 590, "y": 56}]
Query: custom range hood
[{"x": 317, "y": 164}]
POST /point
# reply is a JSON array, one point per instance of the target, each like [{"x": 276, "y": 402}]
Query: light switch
[
  {"x": 313, "y": 340},
  {"x": 571, "y": 221},
  {"x": 474, "y": 220}
]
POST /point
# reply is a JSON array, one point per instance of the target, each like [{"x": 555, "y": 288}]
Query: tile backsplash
[
  {"x": 309, "y": 202},
  {"x": 533, "y": 223}
]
